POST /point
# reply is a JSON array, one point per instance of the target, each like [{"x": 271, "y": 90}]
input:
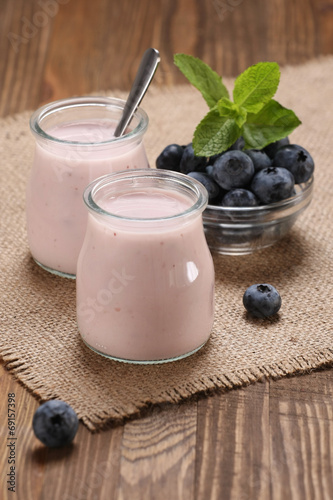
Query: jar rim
[
  {"x": 171, "y": 178},
  {"x": 75, "y": 102}
]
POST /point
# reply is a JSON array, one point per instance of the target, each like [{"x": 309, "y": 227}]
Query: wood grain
[
  {"x": 81, "y": 47},
  {"x": 233, "y": 453},
  {"x": 89, "y": 468},
  {"x": 270, "y": 441},
  {"x": 158, "y": 455},
  {"x": 301, "y": 428},
  {"x": 22, "y": 59}
]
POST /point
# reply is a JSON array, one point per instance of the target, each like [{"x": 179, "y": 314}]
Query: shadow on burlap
[{"x": 40, "y": 342}]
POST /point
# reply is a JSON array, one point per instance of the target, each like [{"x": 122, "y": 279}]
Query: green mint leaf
[
  {"x": 202, "y": 77},
  {"x": 272, "y": 123},
  {"x": 256, "y": 86},
  {"x": 228, "y": 108},
  {"x": 241, "y": 118},
  {"x": 214, "y": 134}
]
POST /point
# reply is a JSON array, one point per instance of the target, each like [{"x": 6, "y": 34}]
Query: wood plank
[
  {"x": 324, "y": 23},
  {"x": 89, "y": 468},
  {"x": 233, "y": 454},
  {"x": 158, "y": 455},
  {"x": 90, "y": 46},
  {"x": 301, "y": 428},
  {"x": 25, "y": 406},
  {"x": 73, "y": 66},
  {"x": 25, "y": 33},
  {"x": 294, "y": 33}
]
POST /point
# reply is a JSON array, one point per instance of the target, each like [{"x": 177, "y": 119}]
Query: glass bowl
[{"x": 240, "y": 231}]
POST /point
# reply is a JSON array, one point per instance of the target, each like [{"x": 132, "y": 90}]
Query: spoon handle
[{"x": 147, "y": 68}]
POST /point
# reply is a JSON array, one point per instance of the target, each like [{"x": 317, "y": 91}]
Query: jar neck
[
  {"x": 86, "y": 122},
  {"x": 160, "y": 182}
]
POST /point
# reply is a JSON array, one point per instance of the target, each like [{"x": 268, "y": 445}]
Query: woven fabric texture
[{"x": 39, "y": 340}]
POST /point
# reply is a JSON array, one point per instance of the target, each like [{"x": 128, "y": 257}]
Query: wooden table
[{"x": 269, "y": 441}]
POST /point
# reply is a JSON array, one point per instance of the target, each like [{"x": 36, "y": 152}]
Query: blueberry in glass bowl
[
  {"x": 243, "y": 230},
  {"x": 255, "y": 207}
]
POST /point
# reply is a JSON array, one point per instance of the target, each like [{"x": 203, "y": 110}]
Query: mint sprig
[{"x": 252, "y": 114}]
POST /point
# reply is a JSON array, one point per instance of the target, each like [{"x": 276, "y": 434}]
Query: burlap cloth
[{"x": 39, "y": 340}]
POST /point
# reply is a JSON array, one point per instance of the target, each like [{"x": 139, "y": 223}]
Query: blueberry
[
  {"x": 234, "y": 169},
  {"x": 239, "y": 198},
  {"x": 272, "y": 184},
  {"x": 170, "y": 157},
  {"x": 55, "y": 423},
  {"x": 260, "y": 159},
  {"x": 212, "y": 159},
  {"x": 238, "y": 145},
  {"x": 209, "y": 170},
  {"x": 271, "y": 149},
  {"x": 211, "y": 186},
  {"x": 297, "y": 160},
  {"x": 262, "y": 300},
  {"x": 190, "y": 162}
]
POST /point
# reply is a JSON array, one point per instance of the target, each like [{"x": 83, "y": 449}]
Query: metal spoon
[{"x": 147, "y": 68}]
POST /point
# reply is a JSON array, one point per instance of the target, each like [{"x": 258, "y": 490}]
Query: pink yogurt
[
  {"x": 75, "y": 144},
  {"x": 145, "y": 276}
]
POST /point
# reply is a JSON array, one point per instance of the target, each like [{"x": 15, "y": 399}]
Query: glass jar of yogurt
[
  {"x": 145, "y": 275},
  {"x": 75, "y": 144}
]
